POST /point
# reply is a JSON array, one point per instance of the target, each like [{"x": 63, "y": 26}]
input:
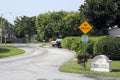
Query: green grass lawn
[
  {"x": 96, "y": 38},
  {"x": 5, "y": 52},
  {"x": 73, "y": 67}
]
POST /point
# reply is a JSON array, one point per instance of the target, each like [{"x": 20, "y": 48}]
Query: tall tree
[
  {"x": 7, "y": 29},
  {"x": 72, "y": 21},
  {"x": 58, "y": 24},
  {"x": 102, "y": 14},
  {"x": 25, "y": 27}
]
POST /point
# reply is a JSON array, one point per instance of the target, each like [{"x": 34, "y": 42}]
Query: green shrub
[
  {"x": 66, "y": 43},
  {"x": 82, "y": 58},
  {"x": 89, "y": 48},
  {"x": 75, "y": 43},
  {"x": 108, "y": 46}
]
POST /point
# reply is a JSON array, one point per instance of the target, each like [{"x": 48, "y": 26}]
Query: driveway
[{"x": 40, "y": 64}]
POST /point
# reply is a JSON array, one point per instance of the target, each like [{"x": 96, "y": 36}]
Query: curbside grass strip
[{"x": 73, "y": 67}]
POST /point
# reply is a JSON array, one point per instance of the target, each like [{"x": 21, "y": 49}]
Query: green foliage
[
  {"x": 82, "y": 58},
  {"x": 75, "y": 43},
  {"x": 96, "y": 38},
  {"x": 108, "y": 46},
  {"x": 7, "y": 28},
  {"x": 89, "y": 48},
  {"x": 83, "y": 51},
  {"x": 25, "y": 27},
  {"x": 101, "y": 14},
  {"x": 6, "y": 52},
  {"x": 66, "y": 43},
  {"x": 72, "y": 43},
  {"x": 96, "y": 45},
  {"x": 73, "y": 67},
  {"x": 57, "y": 24}
]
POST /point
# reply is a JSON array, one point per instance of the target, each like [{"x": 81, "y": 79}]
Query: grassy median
[
  {"x": 6, "y": 52},
  {"x": 73, "y": 67}
]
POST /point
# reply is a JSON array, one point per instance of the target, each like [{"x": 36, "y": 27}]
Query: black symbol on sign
[{"x": 85, "y": 24}]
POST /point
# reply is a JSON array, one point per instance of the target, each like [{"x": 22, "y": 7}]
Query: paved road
[{"x": 40, "y": 64}]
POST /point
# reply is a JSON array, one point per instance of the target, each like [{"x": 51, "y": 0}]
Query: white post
[{"x": 1, "y": 27}]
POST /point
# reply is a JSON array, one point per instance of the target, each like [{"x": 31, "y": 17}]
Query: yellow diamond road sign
[{"x": 85, "y": 27}]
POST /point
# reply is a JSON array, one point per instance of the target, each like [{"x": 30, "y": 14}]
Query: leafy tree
[
  {"x": 19, "y": 28},
  {"x": 58, "y": 24},
  {"x": 102, "y": 14},
  {"x": 41, "y": 24},
  {"x": 25, "y": 27},
  {"x": 7, "y": 28},
  {"x": 72, "y": 21}
]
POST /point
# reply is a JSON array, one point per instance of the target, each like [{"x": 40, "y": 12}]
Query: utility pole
[{"x": 1, "y": 27}]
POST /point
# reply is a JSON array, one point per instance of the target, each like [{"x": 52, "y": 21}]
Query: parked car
[{"x": 56, "y": 43}]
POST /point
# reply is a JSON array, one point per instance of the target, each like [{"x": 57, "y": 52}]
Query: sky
[{"x": 13, "y": 8}]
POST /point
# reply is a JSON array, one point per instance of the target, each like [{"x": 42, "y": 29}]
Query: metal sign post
[
  {"x": 85, "y": 27},
  {"x": 84, "y": 41}
]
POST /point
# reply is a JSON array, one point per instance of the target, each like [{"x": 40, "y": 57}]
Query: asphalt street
[{"x": 40, "y": 64}]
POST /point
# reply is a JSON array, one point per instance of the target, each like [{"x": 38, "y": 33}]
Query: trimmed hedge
[
  {"x": 72, "y": 43},
  {"x": 66, "y": 43},
  {"x": 97, "y": 45},
  {"x": 89, "y": 48},
  {"x": 75, "y": 43},
  {"x": 108, "y": 46}
]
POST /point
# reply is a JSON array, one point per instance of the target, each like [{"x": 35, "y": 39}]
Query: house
[{"x": 114, "y": 32}]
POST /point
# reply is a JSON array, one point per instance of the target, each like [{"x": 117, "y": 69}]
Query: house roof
[{"x": 114, "y": 32}]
